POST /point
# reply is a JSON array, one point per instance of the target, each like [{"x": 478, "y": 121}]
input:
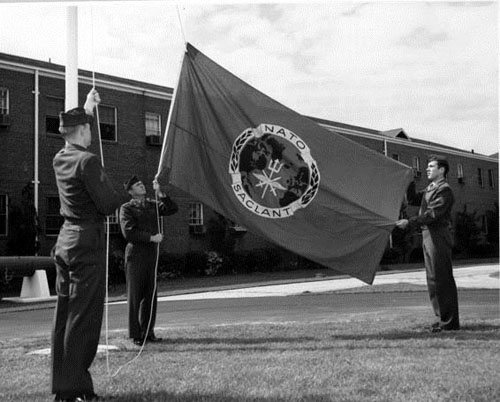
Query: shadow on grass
[
  {"x": 480, "y": 331},
  {"x": 217, "y": 397},
  {"x": 236, "y": 341},
  {"x": 469, "y": 332}
]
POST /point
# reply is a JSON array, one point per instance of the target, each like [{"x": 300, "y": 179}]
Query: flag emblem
[{"x": 272, "y": 170}]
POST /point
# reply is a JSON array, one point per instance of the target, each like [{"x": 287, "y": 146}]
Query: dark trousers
[
  {"x": 79, "y": 255},
  {"x": 437, "y": 244},
  {"x": 142, "y": 298}
]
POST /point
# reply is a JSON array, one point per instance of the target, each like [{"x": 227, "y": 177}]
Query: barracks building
[{"x": 133, "y": 117}]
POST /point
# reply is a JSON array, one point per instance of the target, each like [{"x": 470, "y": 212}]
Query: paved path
[{"x": 474, "y": 277}]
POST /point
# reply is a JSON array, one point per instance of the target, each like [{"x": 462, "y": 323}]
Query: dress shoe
[
  {"x": 153, "y": 338},
  {"x": 89, "y": 398},
  {"x": 138, "y": 341},
  {"x": 439, "y": 328},
  {"x": 83, "y": 398}
]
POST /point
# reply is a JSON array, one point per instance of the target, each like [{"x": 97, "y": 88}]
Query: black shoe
[
  {"x": 153, "y": 338},
  {"x": 138, "y": 341}
]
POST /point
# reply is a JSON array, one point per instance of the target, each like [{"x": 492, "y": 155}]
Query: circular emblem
[{"x": 273, "y": 172}]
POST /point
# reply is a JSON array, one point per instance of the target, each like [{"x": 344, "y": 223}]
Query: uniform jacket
[
  {"x": 138, "y": 222},
  {"x": 85, "y": 192},
  {"x": 436, "y": 202}
]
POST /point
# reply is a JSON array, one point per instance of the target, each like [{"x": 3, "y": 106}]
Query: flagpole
[
  {"x": 71, "y": 99},
  {"x": 169, "y": 118}
]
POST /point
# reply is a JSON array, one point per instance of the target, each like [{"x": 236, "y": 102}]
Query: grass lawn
[{"x": 359, "y": 358}]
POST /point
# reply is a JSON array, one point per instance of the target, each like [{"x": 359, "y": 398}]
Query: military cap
[
  {"x": 130, "y": 182},
  {"x": 74, "y": 117}
]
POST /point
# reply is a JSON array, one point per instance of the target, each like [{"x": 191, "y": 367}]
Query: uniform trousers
[
  {"x": 437, "y": 247},
  {"x": 142, "y": 298},
  {"x": 79, "y": 256}
]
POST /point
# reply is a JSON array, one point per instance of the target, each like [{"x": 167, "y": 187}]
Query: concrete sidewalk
[
  {"x": 477, "y": 276},
  {"x": 469, "y": 277}
]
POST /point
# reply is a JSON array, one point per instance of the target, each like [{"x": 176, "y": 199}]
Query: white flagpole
[
  {"x": 71, "y": 98},
  {"x": 174, "y": 95}
]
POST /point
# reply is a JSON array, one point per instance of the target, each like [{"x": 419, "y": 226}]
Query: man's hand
[
  {"x": 93, "y": 99},
  {"x": 402, "y": 223},
  {"x": 157, "y": 238},
  {"x": 156, "y": 187}
]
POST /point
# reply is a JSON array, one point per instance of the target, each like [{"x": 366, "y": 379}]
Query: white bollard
[{"x": 35, "y": 286}]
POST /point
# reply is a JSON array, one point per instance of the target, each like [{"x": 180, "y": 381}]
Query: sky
[{"x": 430, "y": 68}]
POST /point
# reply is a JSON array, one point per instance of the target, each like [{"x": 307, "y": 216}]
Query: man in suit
[
  {"x": 86, "y": 196},
  {"x": 140, "y": 227},
  {"x": 434, "y": 217}
]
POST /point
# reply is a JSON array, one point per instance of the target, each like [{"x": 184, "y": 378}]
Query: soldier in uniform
[
  {"x": 434, "y": 218},
  {"x": 86, "y": 196},
  {"x": 139, "y": 225}
]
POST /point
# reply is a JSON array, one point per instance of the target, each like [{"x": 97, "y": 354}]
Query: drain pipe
[{"x": 36, "y": 181}]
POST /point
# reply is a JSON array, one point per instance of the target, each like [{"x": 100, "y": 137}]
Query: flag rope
[
  {"x": 106, "y": 303},
  {"x": 158, "y": 219}
]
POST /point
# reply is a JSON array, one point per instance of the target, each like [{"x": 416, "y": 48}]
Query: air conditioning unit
[
  {"x": 4, "y": 120},
  {"x": 417, "y": 173},
  {"x": 461, "y": 180},
  {"x": 153, "y": 140}
]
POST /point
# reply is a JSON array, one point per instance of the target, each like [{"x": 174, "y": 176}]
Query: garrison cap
[
  {"x": 74, "y": 117},
  {"x": 130, "y": 182}
]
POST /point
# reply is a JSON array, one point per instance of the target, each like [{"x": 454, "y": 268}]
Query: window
[
  {"x": 484, "y": 224},
  {"x": 4, "y": 107},
  {"x": 460, "y": 173},
  {"x": 54, "y": 107},
  {"x": 107, "y": 123},
  {"x": 480, "y": 176},
  {"x": 153, "y": 128},
  {"x": 4, "y": 215},
  {"x": 395, "y": 157},
  {"x": 491, "y": 180},
  {"x": 53, "y": 218},
  {"x": 416, "y": 166},
  {"x": 196, "y": 225},
  {"x": 4, "y": 101},
  {"x": 114, "y": 223}
]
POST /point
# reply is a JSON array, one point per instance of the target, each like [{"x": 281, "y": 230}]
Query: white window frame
[
  {"x": 48, "y": 113},
  {"x": 480, "y": 180},
  {"x": 4, "y": 101},
  {"x": 460, "y": 171},
  {"x": 491, "y": 178},
  {"x": 114, "y": 222},
  {"x": 53, "y": 230},
  {"x": 156, "y": 117},
  {"x": 416, "y": 166},
  {"x": 4, "y": 212},
  {"x": 114, "y": 123},
  {"x": 196, "y": 214},
  {"x": 153, "y": 134}
]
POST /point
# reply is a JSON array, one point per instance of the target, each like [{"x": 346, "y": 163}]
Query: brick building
[{"x": 133, "y": 116}]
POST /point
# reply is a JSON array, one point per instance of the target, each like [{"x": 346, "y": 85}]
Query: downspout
[{"x": 36, "y": 181}]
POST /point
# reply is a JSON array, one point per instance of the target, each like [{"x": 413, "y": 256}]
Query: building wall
[{"x": 131, "y": 155}]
